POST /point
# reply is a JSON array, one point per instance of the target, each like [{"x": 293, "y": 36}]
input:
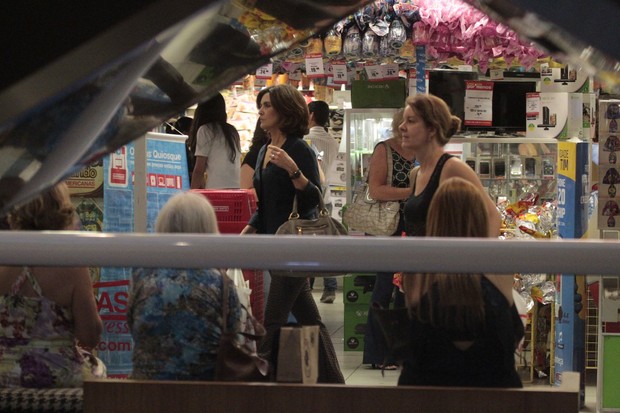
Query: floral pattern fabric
[
  {"x": 175, "y": 317},
  {"x": 37, "y": 344}
]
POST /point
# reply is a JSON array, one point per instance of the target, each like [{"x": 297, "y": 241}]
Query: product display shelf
[
  {"x": 533, "y": 361},
  {"x": 363, "y": 129},
  {"x": 509, "y": 166}
]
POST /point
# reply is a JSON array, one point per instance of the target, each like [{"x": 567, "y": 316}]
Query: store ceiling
[{"x": 82, "y": 80}]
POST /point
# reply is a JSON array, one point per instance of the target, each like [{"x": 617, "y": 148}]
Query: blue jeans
[{"x": 329, "y": 283}]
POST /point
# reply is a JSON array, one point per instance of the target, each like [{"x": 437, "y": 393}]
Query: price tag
[
  {"x": 296, "y": 75},
  {"x": 496, "y": 74},
  {"x": 390, "y": 71},
  {"x": 340, "y": 73},
  {"x": 332, "y": 84},
  {"x": 532, "y": 105},
  {"x": 374, "y": 72},
  {"x": 265, "y": 71},
  {"x": 478, "y": 103},
  {"x": 314, "y": 66}
]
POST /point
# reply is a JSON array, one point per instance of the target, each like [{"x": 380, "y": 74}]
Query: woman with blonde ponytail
[{"x": 426, "y": 128}]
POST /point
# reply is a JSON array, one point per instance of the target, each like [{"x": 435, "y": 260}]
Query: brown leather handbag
[
  {"x": 234, "y": 361},
  {"x": 323, "y": 225}
]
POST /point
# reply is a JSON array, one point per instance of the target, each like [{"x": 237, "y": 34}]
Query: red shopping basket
[{"x": 233, "y": 207}]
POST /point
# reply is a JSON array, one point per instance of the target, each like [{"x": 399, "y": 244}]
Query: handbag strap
[
  {"x": 322, "y": 209},
  {"x": 390, "y": 164}
]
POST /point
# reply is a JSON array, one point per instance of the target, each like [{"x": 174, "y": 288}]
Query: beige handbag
[{"x": 369, "y": 215}]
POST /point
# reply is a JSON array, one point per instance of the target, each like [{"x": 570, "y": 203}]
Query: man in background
[{"x": 327, "y": 148}]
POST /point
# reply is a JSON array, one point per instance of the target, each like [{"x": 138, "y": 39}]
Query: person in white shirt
[
  {"x": 216, "y": 145},
  {"x": 327, "y": 148}
]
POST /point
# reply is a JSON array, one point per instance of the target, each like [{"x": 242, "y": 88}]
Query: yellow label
[{"x": 567, "y": 155}]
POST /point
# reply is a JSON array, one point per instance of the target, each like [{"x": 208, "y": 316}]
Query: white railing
[{"x": 357, "y": 254}]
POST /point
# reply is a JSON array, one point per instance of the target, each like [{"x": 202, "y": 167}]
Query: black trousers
[{"x": 293, "y": 294}]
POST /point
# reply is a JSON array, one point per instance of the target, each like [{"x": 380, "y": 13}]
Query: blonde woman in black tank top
[{"x": 426, "y": 128}]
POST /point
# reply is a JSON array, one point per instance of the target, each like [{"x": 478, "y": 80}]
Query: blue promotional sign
[
  {"x": 420, "y": 67},
  {"x": 570, "y": 311},
  {"x": 166, "y": 175}
]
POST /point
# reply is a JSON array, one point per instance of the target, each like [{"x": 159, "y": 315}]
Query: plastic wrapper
[
  {"x": 397, "y": 34},
  {"x": 352, "y": 46},
  {"x": 385, "y": 49},
  {"x": 544, "y": 293},
  {"x": 537, "y": 287},
  {"x": 370, "y": 44}
]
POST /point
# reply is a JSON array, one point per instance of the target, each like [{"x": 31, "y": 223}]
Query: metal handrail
[{"x": 358, "y": 254}]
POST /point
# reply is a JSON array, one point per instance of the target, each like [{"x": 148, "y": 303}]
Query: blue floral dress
[
  {"x": 175, "y": 317},
  {"x": 37, "y": 344}
]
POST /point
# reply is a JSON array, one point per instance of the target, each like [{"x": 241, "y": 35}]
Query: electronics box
[
  {"x": 382, "y": 94},
  {"x": 589, "y": 116},
  {"x": 567, "y": 79},
  {"x": 554, "y": 115},
  {"x": 357, "y": 288},
  {"x": 355, "y": 318}
]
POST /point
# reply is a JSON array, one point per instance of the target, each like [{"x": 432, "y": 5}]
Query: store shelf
[
  {"x": 510, "y": 167},
  {"x": 500, "y": 139},
  {"x": 592, "y": 320}
]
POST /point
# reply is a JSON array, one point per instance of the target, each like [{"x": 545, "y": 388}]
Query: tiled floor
[{"x": 351, "y": 361}]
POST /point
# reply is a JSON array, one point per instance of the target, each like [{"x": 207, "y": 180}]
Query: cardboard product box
[
  {"x": 589, "y": 116},
  {"x": 608, "y": 117},
  {"x": 567, "y": 79},
  {"x": 298, "y": 355},
  {"x": 378, "y": 94},
  {"x": 608, "y": 148},
  {"x": 355, "y": 319},
  {"x": 609, "y": 184},
  {"x": 608, "y": 213},
  {"x": 357, "y": 288},
  {"x": 554, "y": 115},
  {"x": 337, "y": 174},
  {"x": 338, "y": 202}
]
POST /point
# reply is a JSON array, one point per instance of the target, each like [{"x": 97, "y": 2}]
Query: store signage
[
  {"x": 314, "y": 66},
  {"x": 478, "y": 103},
  {"x": 420, "y": 67},
  {"x": 88, "y": 182},
  {"x": 572, "y": 212},
  {"x": 166, "y": 175}
]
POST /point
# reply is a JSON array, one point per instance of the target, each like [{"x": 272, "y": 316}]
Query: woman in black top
[
  {"x": 427, "y": 127},
  {"x": 464, "y": 327},
  {"x": 286, "y": 168}
]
